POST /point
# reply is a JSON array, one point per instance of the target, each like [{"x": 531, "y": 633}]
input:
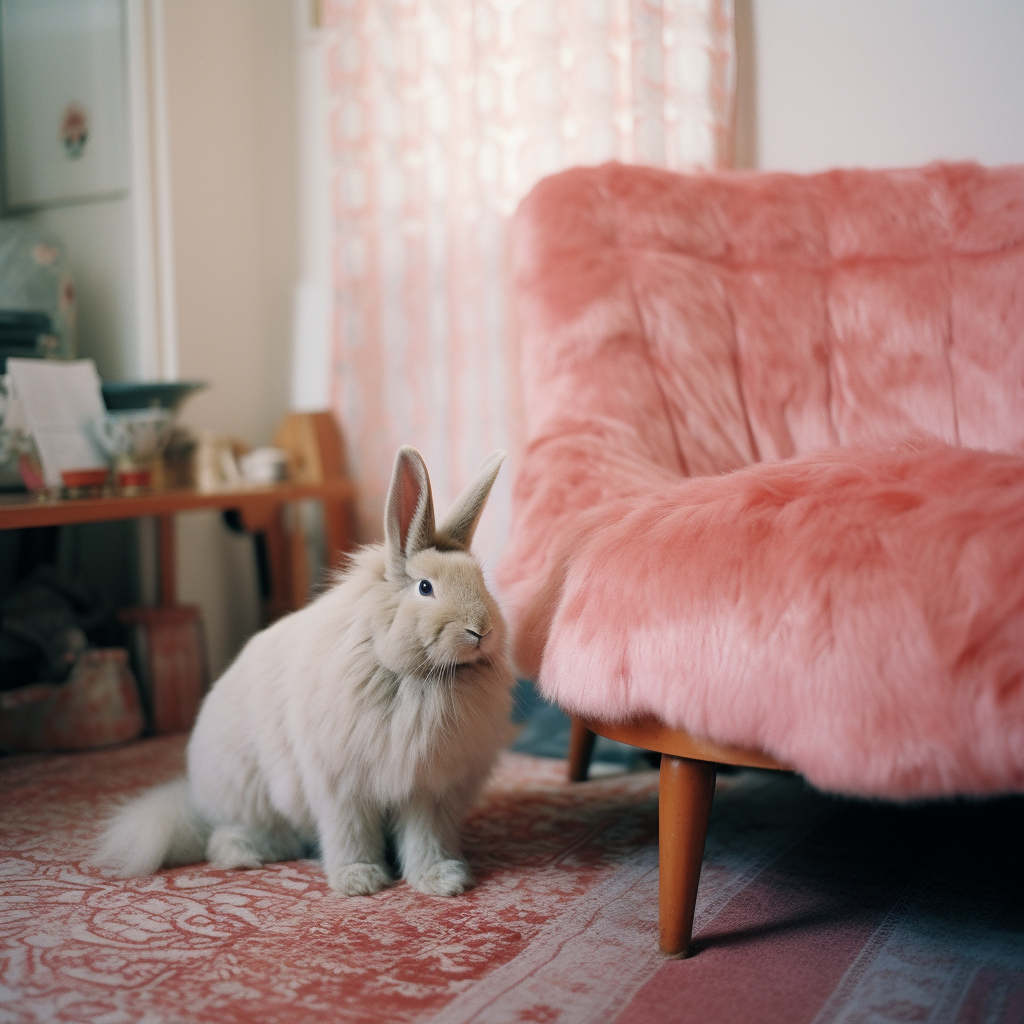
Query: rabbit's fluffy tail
[{"x": 158, "y": 829}]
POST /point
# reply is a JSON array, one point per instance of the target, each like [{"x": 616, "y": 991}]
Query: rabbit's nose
[{"x": 478, "y": 636}]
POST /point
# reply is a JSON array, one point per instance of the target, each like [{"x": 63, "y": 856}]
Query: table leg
[
  {"x": 298, "y": 561},
  {"x": 278, "y": 551},
  {"x": 267, "y": 520},
  {"x": 337, "y": 531},
  {"x": 165, "y": 545}
]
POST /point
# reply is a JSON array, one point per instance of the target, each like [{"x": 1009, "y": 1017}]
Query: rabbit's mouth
[
  {"x": 474, "y": 656},
  {"x": 458, "y": 645}
]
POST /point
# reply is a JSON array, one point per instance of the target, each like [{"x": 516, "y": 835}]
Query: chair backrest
[{"x": 705, "y": 322}]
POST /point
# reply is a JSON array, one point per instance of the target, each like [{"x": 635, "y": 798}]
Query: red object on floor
[
  {"x": 170, "y": 654},
  {"x": 809, "y": 909},
  {"x": 98, "y": 705}
]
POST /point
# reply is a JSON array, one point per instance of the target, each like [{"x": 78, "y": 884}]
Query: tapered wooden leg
[
  {"x": 686, "y": 791},
  {"x": 581, "y": 746}
]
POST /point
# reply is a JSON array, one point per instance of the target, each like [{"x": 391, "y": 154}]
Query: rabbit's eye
[{"x": 426, "y": 589}]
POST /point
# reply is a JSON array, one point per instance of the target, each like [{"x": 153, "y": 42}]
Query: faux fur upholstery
[{"x": 773, "y": 484}]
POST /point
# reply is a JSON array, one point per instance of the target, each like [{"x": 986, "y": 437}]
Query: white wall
[
  {"x": 100, "y": 245},
  {"x": 881, "y": 83}
]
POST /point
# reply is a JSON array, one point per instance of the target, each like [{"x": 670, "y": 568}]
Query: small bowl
[{"x": 84, "y": 477}]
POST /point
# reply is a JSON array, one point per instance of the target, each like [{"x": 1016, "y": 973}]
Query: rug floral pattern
[
  {"x": 561, "y": 926},
  {"x": 198, "y": 944}
]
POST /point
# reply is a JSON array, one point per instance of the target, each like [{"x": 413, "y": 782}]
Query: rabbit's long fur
[{"x": 377, "y": 710}]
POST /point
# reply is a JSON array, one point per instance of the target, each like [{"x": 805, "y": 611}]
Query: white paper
[{"x": 61, "y": 401}]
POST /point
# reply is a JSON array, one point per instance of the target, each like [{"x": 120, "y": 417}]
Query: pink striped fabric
[{"x": 442, "y": 116}]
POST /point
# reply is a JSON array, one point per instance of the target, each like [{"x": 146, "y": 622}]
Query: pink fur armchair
[{"x": 771, "y": 503}]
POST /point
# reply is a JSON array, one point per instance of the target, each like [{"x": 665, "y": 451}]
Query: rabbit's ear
[
  {"x": 460, "y": 523},
  {"x": 409, "y": 516}
]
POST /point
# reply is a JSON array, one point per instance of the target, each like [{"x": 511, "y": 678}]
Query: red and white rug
[{"x": 809, "y": 910}]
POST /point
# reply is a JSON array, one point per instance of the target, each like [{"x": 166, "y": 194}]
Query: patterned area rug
[{"x": 810, "y": 909}]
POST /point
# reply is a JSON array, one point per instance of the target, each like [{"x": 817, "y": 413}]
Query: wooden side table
[{"x": 260, "y": 510}]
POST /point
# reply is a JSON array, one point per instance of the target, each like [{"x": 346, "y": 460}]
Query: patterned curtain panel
[{"x": 443, "y": 114}]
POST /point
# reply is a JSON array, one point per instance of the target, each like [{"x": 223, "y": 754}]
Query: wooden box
[{"x": 168, "y": 649}]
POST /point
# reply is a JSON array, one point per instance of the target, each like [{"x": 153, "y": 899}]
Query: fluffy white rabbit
[{"x": 372, "y": 715}]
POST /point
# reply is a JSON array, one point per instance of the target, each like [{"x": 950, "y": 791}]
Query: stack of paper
[{"x": 61, "y": 402}]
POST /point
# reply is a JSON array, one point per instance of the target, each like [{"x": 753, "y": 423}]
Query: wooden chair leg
[
  {"x": 686, "y": 791},
  {"x": 581, "y": 746}
]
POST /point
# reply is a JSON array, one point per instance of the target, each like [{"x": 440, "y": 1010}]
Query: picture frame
[{"x": 64, "y": 102}]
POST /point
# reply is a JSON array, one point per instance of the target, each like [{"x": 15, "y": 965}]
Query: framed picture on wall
[{"x": 64, "y": 109}]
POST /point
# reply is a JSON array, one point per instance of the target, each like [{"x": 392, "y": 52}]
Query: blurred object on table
[
  {"x": 216, "y": 462},
  {"x": 140, "y": 433},
  {"x": 179, "y": 459},
  {"x": 264, "y": 466},
  {"x": 60, "y": 402},
  {"x": 315, "y": 447},
  {"x": 35, "y": 279},
  {"x": 16, "y": 443},
  {"x": 85, "y": 483},
  {"x": 134, "y": 439}
]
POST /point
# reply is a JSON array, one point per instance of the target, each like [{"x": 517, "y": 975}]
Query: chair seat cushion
[{"x": 856, "y": 612}]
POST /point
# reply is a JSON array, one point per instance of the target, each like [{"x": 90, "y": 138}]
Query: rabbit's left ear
[
  {"x": 460, "y": 523},
  {"x": 409, "y": 514}
]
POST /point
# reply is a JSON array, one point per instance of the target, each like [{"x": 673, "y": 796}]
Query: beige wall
[
  {"x": 231, "y": 108},
  {"x": 233, "y": 153}
]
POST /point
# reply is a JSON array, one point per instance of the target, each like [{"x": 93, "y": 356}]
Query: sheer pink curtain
[{"x": 443, "y": 114}]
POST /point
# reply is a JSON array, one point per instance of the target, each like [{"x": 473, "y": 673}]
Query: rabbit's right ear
[
  {"x": 459, "y": 525},
  {"x": 409, "y": 515}
]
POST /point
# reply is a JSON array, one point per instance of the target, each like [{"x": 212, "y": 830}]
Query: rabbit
[{"x": 373, "y": 715}]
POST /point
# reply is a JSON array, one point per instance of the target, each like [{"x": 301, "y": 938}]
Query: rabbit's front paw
[
  {"x": 445, "y": 878},
  {"x": 359, "y": 879},
  {"x": 231, "y": 846}
]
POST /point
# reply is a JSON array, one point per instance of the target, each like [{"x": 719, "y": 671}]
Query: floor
[{"x": 811, "y": 909}]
